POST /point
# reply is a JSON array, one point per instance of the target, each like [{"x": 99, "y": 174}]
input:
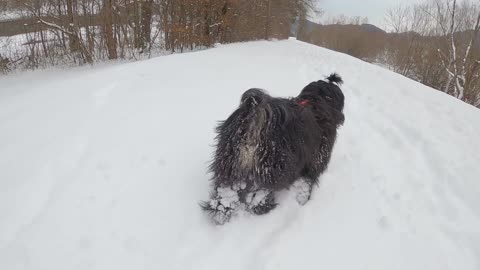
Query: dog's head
[{"x": 325, "y": 96}]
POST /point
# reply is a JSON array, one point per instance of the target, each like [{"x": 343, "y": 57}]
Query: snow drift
[{"x": 103, "y": 168}]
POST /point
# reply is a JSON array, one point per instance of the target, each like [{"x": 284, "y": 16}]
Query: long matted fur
[{"x": 269, "y": 143}]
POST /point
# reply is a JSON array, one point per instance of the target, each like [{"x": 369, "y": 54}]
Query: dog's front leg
[{"x": 303, "y": 188}]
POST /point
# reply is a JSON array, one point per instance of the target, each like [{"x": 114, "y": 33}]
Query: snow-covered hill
[{"x": 103, "y": 168}]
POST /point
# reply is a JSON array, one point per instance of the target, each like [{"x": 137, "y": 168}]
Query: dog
[{"x": 269, "y": 144}]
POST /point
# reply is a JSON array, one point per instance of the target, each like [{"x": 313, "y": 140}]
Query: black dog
[{"x": 269, "y": 143}]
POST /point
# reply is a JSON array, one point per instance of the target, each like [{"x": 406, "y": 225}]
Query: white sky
[{"x": 375, "y": 10}]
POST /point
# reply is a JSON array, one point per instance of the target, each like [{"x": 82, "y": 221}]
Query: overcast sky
[{"x": 373, "y": 9}]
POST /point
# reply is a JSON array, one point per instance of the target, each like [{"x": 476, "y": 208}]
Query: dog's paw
[
  {"x": 303, "y": 191},
  {"x": 227, "y": 197},
  {"x": 263, "y": 208},
  {"x": 223, "y": 205},
  {"x": 302, "y": 198},
  {"x": 261, "y": 202},
  {"x": 222, "y": 215},
  {"x": 219, "y": 213}
]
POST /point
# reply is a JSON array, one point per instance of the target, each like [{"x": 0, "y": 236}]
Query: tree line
[{"x": 54, "y": 32}]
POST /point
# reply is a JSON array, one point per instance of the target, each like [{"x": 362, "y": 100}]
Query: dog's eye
[{"x": 328, "y": 98}]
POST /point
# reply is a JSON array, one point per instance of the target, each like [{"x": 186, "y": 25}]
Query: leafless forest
[{"x": 85, "y": 31}]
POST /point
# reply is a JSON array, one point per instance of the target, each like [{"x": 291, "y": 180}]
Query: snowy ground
[
  {"x": 9, "y": 15},
  {"x": 103, "y": 168}
]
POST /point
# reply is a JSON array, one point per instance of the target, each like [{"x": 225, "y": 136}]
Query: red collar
[{"x": 304, "y": 102}]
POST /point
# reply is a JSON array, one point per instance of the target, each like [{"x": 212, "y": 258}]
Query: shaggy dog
[{"x": 269, "y": 143}]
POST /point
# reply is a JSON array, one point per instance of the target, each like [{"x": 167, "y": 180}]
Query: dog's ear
[
  {"x": 338, "y": 101},
  {"x": 335, "y": 91}
]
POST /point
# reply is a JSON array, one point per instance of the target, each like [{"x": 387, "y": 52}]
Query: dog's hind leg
[
  {"x": 223, "y": 204},
  {"x": 260, "y": 201}
]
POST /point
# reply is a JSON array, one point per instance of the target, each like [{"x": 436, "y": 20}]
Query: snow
[
  {"x": 104, "y": 168},
  {"x": 9, "y": 15}
]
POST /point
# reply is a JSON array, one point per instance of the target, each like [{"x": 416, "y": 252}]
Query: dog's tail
[
  {"x": 335, "y": 78},
  {"x": 253, "y": 97}
]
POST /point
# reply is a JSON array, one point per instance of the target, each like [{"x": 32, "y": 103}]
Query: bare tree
[
  {"x": 111, "y": 40},
  {"x": 460, "y": 65},
  {"x": 397, "y": 18},
  {"x": 435, "y": 43}
]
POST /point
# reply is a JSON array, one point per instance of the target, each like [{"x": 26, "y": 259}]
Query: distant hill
[
  {"x": 363, "y": 41},
  {"x": 310, "y": 27},
  {"x": 371, "y": 28}
]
